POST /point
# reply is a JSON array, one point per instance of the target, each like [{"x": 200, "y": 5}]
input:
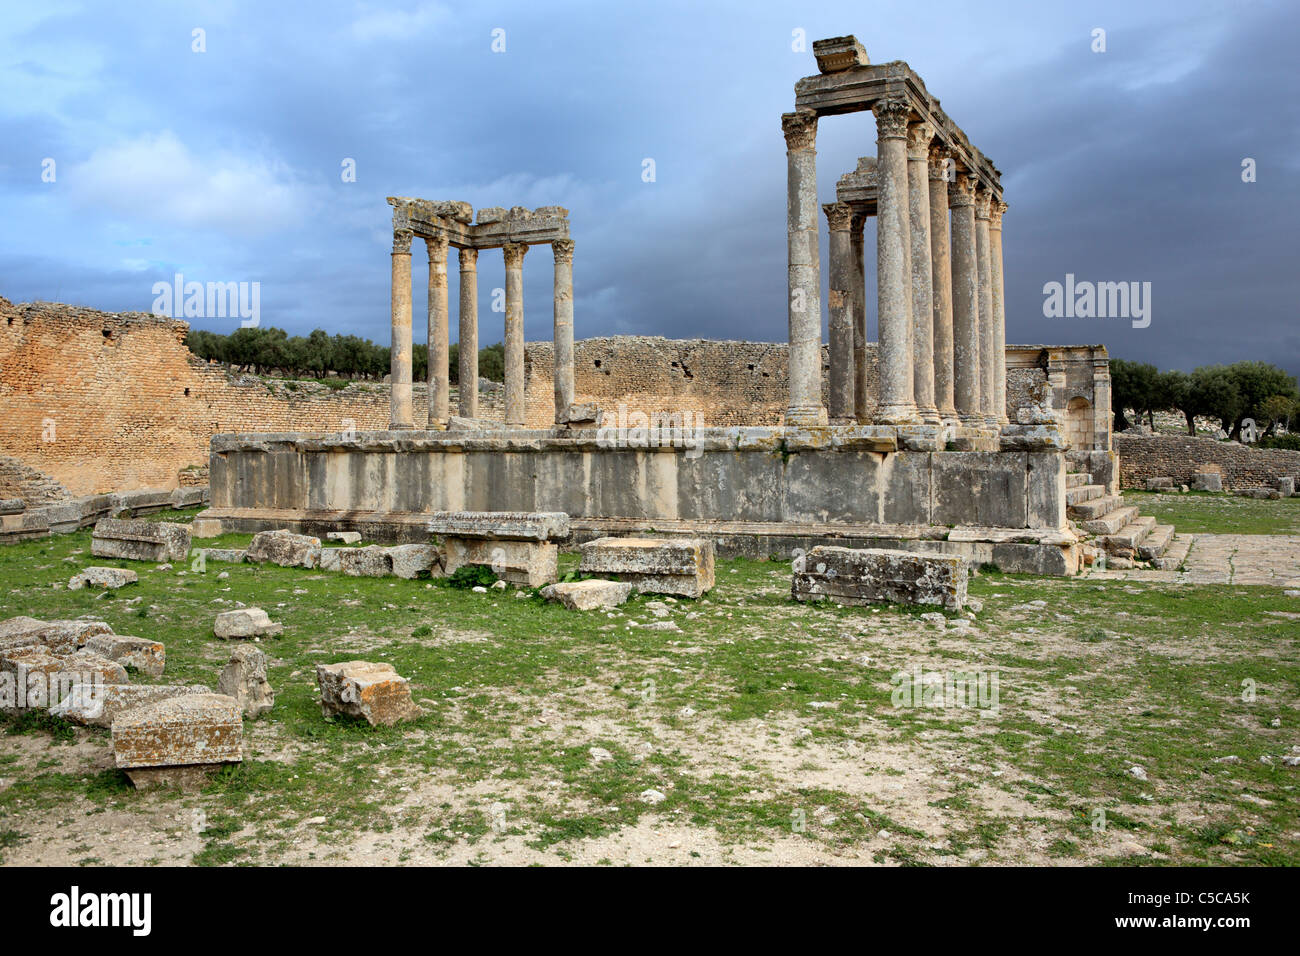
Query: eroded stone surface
[
  {"x": 375, "y": 693},
  {"x": 501, "y": 525},
  {"x": 284, "y": 548},
  {"x": 346, "y": 537},
  {"x": 148, "y": 657},
  {"x": 585, "y": 595},
  {"x": 97, "y": 577},
  {"x": 98, "y": 705},
  {"x": 180, "y": 731},
  {"x": 140, "y": 540},
  {"x": 245, "y": 622},
  {"x": 528, "y": 563},
  {"x": 869, "y": 575},
  {"x": 680, "y": 566},
  {"x": 61, "y": 637},
  {"x": 415, "y": 560},
  {"x": 244, "y": 678}
]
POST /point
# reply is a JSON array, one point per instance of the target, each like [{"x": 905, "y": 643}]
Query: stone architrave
[
  {"x": 804, "y": 301},
  {"x": 439, "y": 342},
  {"x": 514, "y": 333},
  {"x": 866, "y": 576},
  {"x": 467, "y": 404},
  {"x": 680, "y": 566},
  {"x": 897, "y": 404},
  {"x": 401, "y": 414},
  {"x": 842, "y": 378}
]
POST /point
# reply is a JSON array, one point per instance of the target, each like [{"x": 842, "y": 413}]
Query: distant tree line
[
  {"x": 268, "y": 350},
  {"x": 1229, "y": 393}
]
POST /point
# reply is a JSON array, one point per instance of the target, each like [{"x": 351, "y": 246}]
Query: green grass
[
  {"x": 757, "y": 708},
  {"x": 1203, "y": 512}
]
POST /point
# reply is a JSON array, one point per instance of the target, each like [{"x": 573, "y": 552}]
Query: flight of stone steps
[{"x": 1119, "y": 530}]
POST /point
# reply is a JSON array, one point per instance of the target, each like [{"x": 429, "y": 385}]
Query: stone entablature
[{"x": 450, "y": 224}]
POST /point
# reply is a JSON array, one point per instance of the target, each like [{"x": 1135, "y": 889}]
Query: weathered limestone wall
[
  {"x": 19, "y": 481},
  {"x": 1179, "y": 457}
]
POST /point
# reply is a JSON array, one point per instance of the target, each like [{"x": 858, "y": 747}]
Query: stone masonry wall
[{"x": 1179, "y": 457}]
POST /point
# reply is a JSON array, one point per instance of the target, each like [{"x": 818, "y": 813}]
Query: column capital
[
  {"x": 436, "y": 246},
  {"x": 919, "y": 136},
  {"x": 982, "y": 200},
  {"x": 468, "y": 258},
  {"x": 942, "y": 166},
  {"x": 858, "y": 222},
  {"x": 402, "y": 242},
  {"x": 839, "y": 216},
  {"x": 892, "y": 116},
  {"x": 961, "y": 191},
  {"x": 800, "y": 129},
  {"x": 514, "y": 253},
  {"x": 996, "y": 209},
  {"x": 563, "y": 250}
]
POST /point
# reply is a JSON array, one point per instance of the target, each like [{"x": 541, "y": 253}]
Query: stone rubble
[
  {"x": 244, "y": 678},
  {"x": 245, "y": 622},
  {"x": 140, "y": 540},
  {"x": 284, "y": 548},
  {"x": 589, "y": 594},
  {"x": 138, "y": 653},
  {"x": 97, "y": 577},
  {"x": 679, "y": 566},
  {"x": 373, "y": 692}
]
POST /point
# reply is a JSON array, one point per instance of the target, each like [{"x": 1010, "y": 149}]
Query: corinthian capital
[
  {"x": 982, "y": 200},
  {"x": 563, "y": 250},
  {"x": 468, "y": 259},
  {"x": 996, "y": 209},
  {"x": 892, "y": 117},
  {"x": 800, "y": 128},
  {"x": 919, "y": 136},
  {"x": 402, "y": 241},
  {"x": 961, "y": 191},
  {"x": 436, "y": 246},
  {"x": 839, "y": 215},
  {"x": 514, "y": 253},
  {"x": 941, "y": 164}
]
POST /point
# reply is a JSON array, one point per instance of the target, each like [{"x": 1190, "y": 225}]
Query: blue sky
[{"x": 225, "y": 165}]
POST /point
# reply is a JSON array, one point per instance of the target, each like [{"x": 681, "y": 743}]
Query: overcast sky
[{"x": 225, "y": 165}]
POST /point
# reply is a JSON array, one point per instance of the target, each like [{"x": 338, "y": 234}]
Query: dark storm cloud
[{"x": 225, "y": 165}]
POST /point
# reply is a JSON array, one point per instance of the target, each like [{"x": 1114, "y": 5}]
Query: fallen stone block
[
  {"x": 586, "y": 595},
  {"x": 680, "y": 566},
  {"x": 91, "y": 667},
  {"x": 1286, "y": 486},
  {"x": 870, "y": 575},
  {"x": 244, "y": 678},
  {"x": 60, "y": 637},
  {"x": 137, "y": 653},
  {"x": 528, "y": 563},
  {"x": 30, "y": 679},
  {"x": 140, "y": 540},
  {"x": 1160, "y": 484},
  {"x": 369, "y": 562},
  {"x": 224, "y": 555},
  {"x": 12, "y": 506},
  {"x": 95, "y": 577},
  {"x": 347, "y": 537},
  {"x": 188, "y": 735},
  {"x": 245, "y": 622},
  {"x": 202, "y": 527},
  {"x": 1207, "y": 481},
  {"x": 372, "y": 692},
  {"x": 415, "y": 560},
  {"x": 284, "y": 548},
  {"x": 98, "y": 705},
  {"x": 501, "y": 525}
]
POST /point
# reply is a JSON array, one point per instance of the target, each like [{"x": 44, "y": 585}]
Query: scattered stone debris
[
  {"x": 98, "y": 705},
  {"x": 178, "y": 741},
  {"x": 244, "y": 678},
  {"x": 589, "y": 594},
  {"x": 245, "y": 622},
  {"x": 680, "y": 566},
  {"x": 374, "y": 692},
  {"x": 140, "y": 540},
  {"x": 96, "y": 577},
  {"x": 869, "y": 575},
  {"x": 518, "y": 546},
  {"x": 224, "y": 555},
  {"x": 137, "y": 653},
  {"x": 653, "y": 797},
  {"x": 347, "y": 537},
  {"x": 284, "y": 548}
]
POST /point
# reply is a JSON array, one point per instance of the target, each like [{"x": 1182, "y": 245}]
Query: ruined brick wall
[
  {"x": 1179, "y": 457},
  {"x": 20, "y": 481},
  {"x": 106, "y": 401}
]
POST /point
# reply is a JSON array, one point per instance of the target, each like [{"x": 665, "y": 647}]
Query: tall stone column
[
  {"x": 439, "y": 374},
  {"x": 965, "y": 302},
  {"x": 897, "y": 404},
  {"x": 919, "y": 136},
  {"x": 563, "y": 252},
  {"x": 804, "y": 303},
  {"x": 468, "y": 360},
  {"x": 857, "y": 244},
  {"x": 514, "y": 254},
  {"x": 400, "y": 414},
  {"x": 839, "y": 218},
  {"x": 988, "y": 358},
  {"x": 941, "y": 274},
  {"x": 996, "y": 210}
]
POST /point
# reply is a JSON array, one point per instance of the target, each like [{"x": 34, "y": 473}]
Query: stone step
[
  {"x": 1111, "y": 522},
  {"x": 1175, "y": 554},
  {"x": 1156, "y": 542},
  {"x": 1077, "y": 496},
  {"x": 1074, "y": 479},
  {"x": 1096, "y": 508},
  {"x": 1126, "y": 541}
]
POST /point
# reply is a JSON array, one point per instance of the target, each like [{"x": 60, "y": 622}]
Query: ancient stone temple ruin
[
  {"x": 911, "y": 449},
  {"x": 451, "y": 224}
]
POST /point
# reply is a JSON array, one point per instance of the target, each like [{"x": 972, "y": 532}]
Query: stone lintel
[
  {"x": 496, "y": 226},
  {"x": 836, "y": 54}
]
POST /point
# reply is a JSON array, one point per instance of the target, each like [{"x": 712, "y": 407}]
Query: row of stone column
[
  {"x": 401, "y": 414},
  {"x": 942, "y": 319}
]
